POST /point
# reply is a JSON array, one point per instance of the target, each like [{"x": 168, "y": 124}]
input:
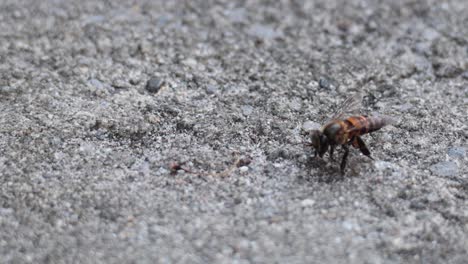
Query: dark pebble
[
  {"x": 237, "y": 200},
  {"x": 154, "y": 84},
  {"x": 245, "y": 161},
  {"x": 185, "y": 125},
  {"x": 465, "y": 75},
  {"x": 6, "y": 90},
  {"x": 418, "y": 204},
  {"x": 134, "y": 81},
  {"x": 387, "y": 90},
  {"x": 445, "y": 70},
  {"x": 324, "y": 83}
]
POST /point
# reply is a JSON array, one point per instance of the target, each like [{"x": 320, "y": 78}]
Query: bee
[{"x": 347, "y": 130}]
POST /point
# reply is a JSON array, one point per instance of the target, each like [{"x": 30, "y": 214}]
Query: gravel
[
  {"x": 88, "y": 134},
  {"x": 445, "y": 168},
  {"x": 154, "y": 84}
]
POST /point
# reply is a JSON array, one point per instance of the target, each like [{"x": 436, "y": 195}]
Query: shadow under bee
[
  {"x": 317, "y": 169},
  {"x": 321, "y": 170}
]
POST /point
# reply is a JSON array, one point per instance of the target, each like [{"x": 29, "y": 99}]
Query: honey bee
[{"x": 347, "y": 130}]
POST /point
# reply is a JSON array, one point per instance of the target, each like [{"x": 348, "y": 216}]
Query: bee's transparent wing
[{"x": 350, "y": 106}]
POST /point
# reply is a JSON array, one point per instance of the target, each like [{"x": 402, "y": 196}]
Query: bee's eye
[
  {"x": 314, "y": 140},
  {"x": 315, "y": 136},
  {"x": 323, "y": 140}
]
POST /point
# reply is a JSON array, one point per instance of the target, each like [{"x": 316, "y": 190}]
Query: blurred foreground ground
[{"x": 86, "y": 147}]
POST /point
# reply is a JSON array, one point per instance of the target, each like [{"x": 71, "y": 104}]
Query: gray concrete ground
[{"x": 234, "y": 86}]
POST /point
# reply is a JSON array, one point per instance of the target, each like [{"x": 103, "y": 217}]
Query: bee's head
[{"x": 319, "y": 142}]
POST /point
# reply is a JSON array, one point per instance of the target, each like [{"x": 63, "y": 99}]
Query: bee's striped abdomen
[
  {"x": 360, "y": 125},
  {"x": 341, "y": 131},
  {"x": 377, "y": 122},
  {"x": 357, "y": 125}
]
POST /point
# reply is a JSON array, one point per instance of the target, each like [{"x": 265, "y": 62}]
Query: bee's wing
[{"x": 350, "y": 106}]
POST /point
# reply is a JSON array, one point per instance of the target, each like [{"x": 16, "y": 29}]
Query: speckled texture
[{"x": 87, "y": 147}]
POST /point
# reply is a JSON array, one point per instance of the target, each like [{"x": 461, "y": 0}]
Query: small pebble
[
  {"x": 247, "y": 110},
  {"x": 387, "y": 90},
  {"x": 445, "y": 168},
  {"x": 465, "y": 75},
  {"x": 119, "y": 84},
  {"x": 446, "y": 70},
  {"x": 244, "y": 169},
  {"x": 295, "y": 105},
  {"x": 309, "y": 125},
  {"x": 185, "y": 124},
  {"x": 211, "y": 89},
  {"x": 6, "y": 90},
  {"x": 457, "y": 152},
  {"x": 324, "y": 83},
  {"x": 134, "y": 81},
  {"x": 237, "y": 200},
  {"x": 262, "y": 31},
  {"x": 307, "y": 202},
  {"x": 236, "y": 15},
  {"x": 348, "y": 225},
  {"x": 245, "y": 161},
  {"x": 96, "y": 84},
  {"x": 383, "y": 165},
  {"x": 190, "y": 62},
  {"x": 154, "y": 84}
]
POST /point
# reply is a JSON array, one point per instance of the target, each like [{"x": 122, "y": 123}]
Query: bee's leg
[
  {"x": 354, "y": 142},
  {"x": 363, "y": 148},
  {"x": 332, "y": 148},
  {"x": 345, "y": 156}
]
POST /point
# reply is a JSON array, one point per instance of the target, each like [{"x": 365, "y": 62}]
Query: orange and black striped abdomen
[
  {"x": 360, "y": 125},
  {"x": 341, "y": 131}
]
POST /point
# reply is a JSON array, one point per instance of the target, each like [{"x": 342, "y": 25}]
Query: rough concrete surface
[{"x": 177, "y": 131}]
